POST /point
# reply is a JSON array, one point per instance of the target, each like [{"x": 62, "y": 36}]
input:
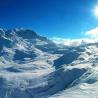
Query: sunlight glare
[{"x": 96, "y": 11}]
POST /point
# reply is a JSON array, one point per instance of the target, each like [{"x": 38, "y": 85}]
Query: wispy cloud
[
  {"x": 93, "y": 33},
  {"x": 73, "y": 42},
  {"x": 65, "y": 41},
  {"x": 91, "y": 36}
]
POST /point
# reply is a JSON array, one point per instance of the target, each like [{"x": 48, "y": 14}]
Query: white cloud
[
  {"x": 91, "y": 37},
  {"x": 93, "y": 33},
  {"x": 73, "y": 42}
]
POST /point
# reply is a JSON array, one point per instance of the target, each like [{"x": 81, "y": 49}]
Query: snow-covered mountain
[{"x": 32, "y": 66}]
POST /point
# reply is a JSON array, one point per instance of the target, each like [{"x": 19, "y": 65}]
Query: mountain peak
[{"x": 26, "y": 33}]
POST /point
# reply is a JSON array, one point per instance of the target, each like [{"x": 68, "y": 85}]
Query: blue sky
[{"x": 50, "y": 18}]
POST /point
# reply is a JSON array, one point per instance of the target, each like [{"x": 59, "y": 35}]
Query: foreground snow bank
[{"x": 32, "y": 85}]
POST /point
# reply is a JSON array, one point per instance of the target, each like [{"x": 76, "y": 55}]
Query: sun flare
[{"x": 96, "y": 11}]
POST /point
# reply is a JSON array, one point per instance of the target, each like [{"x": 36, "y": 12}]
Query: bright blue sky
[{"x": 50, "y": 18}]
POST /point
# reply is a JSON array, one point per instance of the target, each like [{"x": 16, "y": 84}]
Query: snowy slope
[{"x": 32, "y": 66}]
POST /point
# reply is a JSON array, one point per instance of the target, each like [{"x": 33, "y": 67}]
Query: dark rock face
[{"x": 26, "y": 34}]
